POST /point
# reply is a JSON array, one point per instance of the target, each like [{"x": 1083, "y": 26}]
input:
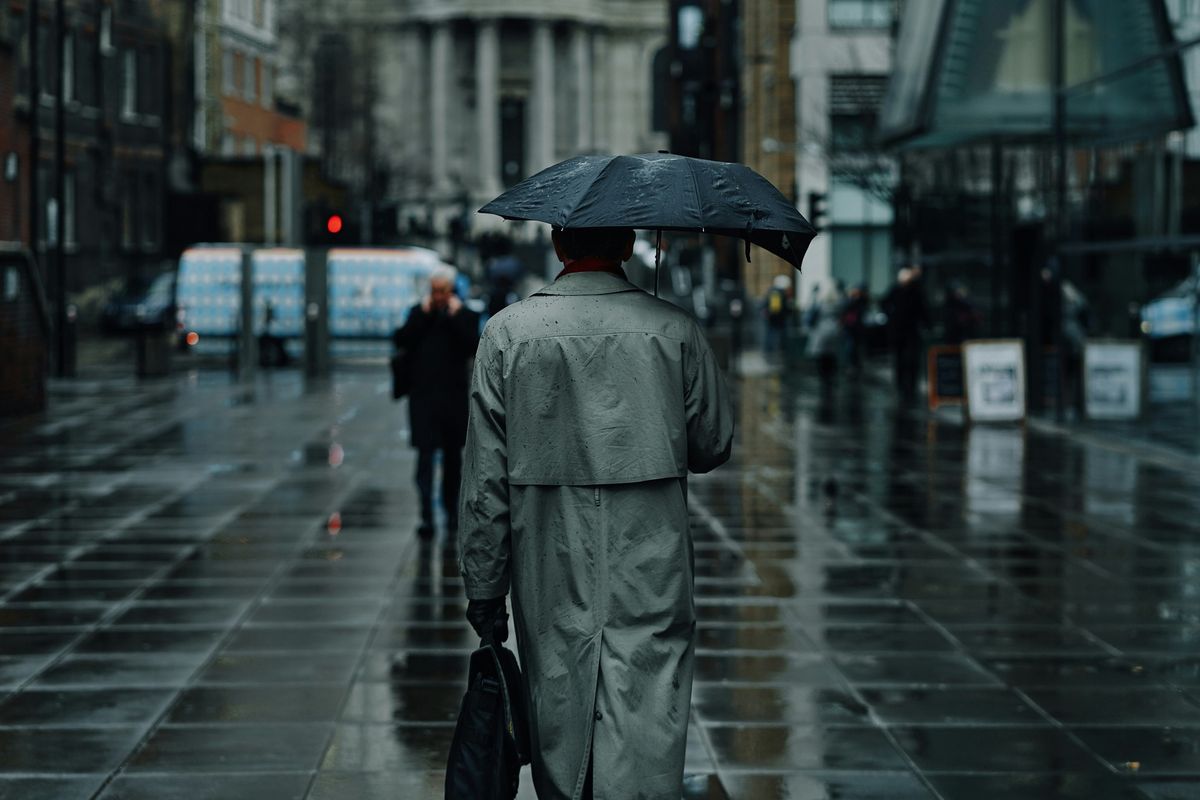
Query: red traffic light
[{"x": 334, "y": 223}]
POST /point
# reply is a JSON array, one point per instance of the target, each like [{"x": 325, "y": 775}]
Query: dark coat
[
  {"x": 906, "y": 311},
  {"x": 440, "y": 348}
]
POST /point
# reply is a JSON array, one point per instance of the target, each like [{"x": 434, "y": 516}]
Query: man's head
[
  {"x": 441, "y": 286},
  {"x": 609, "y": 244}
]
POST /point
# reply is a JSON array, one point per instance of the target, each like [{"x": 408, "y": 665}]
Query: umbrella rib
[
  {"x": 696, "y": 189},
  {"x": 588, "y": 188}
]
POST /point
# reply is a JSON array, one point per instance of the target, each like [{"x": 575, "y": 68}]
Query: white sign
[
  {"x": 995, "y": 380},
  {"x": 1112, "y": 379}
]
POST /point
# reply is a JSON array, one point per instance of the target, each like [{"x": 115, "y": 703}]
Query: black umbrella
[{"x": 664, "y": 192}]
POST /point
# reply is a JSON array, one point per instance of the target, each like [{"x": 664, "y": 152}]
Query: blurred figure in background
[
  {"x": 440, "y": 336},
  {"x": 907, "y": 316},
  {"x": 777, "y": 310},
  {"x": 854, "y": 322},
  {"x": 960, "y": 320},
  {"x": 825, "y": 336}
]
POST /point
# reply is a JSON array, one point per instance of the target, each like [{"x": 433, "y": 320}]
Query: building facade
[
  {"x": 112, "y": 59},
  {"x": 841, "y": 58},
  {"x": 428, "y": 109},
  {"x": 768, "y": 114},
  {"x": 235, "y": 63}
]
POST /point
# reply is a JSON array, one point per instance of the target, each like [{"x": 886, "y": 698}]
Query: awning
[{"x": 980, "y": 70}]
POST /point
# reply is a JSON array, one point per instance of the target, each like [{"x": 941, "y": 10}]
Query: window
[
  {"x": 228, "y": 145},
  {"x": 260, "y": 16},
  {"x": 106, "y": 42},
  {"x": 268, "y": 88},
  {"x": 691, "y": 27},
  {"x": 128, "y": 209},
  {"x": 861, "y": 13},
  {"x": 151, "y": 208},
  {"x": 68, "y": 65},
  {"x": 228, "y": 71},
  {"x": 854, "y": 102},
  {"x": 239, "y": 61},
  {"x": 250, "y": 78},
  {"x": 69, "y": 232},
  {"x": 129, "y": 83},
  {"x": 85, "y": 71}
]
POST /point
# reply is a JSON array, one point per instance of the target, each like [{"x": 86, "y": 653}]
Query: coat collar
[{"x": 582, "y": 283}]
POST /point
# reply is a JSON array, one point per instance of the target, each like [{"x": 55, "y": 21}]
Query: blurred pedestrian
[
  {"x": 825, "y": 336},
  {"x": 777, "y": 311},
  {"x": 272, "y": 352},
  {"x": 960, "y": 320},
  {"x": 440, "y": 337},
  {"x": 591, "y": 401},
  {"x": 1073, "y": 314},
  {"x": 907, "y": 317},
  {"x": 854, "y": 324}
]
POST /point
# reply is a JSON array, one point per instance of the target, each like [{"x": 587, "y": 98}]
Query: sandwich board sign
[
  {"x": 994, "y": 374},
  {"x": 1113, "y": 379},
  {"x": 945, "y": 370}
]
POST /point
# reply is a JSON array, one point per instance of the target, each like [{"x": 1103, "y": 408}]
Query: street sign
[
  {"x": 945, "y": 376},
  {"x": 1113, "y": 379},
  {"x": 994, "y": 370}
]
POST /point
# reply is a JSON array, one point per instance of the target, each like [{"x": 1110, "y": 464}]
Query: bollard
[{"x": 316, "y": 314}]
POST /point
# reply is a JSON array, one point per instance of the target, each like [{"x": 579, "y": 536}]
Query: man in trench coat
[
  {"x": 590, "y": 402},
  {"x": 440, "y": 336}
]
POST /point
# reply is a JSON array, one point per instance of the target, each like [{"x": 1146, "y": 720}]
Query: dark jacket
[
  {"x": 440, "y": 348},
  {"x": 906, "y": 312}
]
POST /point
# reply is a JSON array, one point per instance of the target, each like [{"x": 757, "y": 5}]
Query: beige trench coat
[{"x": 590, "y": 402}]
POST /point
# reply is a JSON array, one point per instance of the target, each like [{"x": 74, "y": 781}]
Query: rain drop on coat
[{"x": 590, "y": 402}]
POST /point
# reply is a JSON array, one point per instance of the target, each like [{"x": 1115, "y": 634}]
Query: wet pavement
[{"x": 215, "y": 591}]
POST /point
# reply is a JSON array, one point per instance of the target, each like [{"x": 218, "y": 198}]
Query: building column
[
  {"x": 487, "y": 105},
  {"x": 601, "y": 93},
  {"x": 581, "y": 57},
  {"x": 541, "y": 150},
  {"x": 439, "y": 106}
]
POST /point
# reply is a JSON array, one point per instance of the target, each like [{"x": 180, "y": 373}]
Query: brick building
[
  {"x": 236, "y": 113},
  {"x": 113, "y": 57}
]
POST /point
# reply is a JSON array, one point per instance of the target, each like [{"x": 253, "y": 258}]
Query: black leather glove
[{"x": 489, "y": 619}]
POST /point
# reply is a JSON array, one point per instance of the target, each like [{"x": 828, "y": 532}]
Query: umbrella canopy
[{"x": 661, "y": 191}]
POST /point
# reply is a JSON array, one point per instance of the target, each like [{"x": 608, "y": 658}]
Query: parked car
[{"x": 131, "y": 310}]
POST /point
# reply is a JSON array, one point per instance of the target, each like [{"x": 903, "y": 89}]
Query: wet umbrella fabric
[{"x": 660, "y": 191}]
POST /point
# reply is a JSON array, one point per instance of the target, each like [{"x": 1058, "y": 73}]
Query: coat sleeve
[
  {"x": 707, "y": 407},
  {"x": 484, "y": 533}
]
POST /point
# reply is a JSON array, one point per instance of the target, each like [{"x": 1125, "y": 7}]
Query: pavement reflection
[{"x": 213, "y": 590}]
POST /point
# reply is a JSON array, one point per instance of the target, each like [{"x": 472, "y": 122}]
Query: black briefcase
[{"x": 491, "y": 740}]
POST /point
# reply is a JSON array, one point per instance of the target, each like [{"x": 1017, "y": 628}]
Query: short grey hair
[{"x": 444, "y": 272}]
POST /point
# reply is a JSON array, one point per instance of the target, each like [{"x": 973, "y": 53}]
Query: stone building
[{"x": 440, "y": 105}]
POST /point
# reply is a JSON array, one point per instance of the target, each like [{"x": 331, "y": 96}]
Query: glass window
[
  {"x": 228, "y": 71},
  {"x": 106, "y": 42},
  {"x": 250, "y": 78},
  {"x": 691, "y": 27},
  {"x": 268, "y": 88},
  {"x": 69, "y": 232},
  {"x": 861, "y": 13},
  {"x": 128, "y": 206},
  {"x": 85, "y": 71},
  {"x": 150, "y": 211},
  {"x": 129, "y": 83},
  {"x": 68, "y": 67}
]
